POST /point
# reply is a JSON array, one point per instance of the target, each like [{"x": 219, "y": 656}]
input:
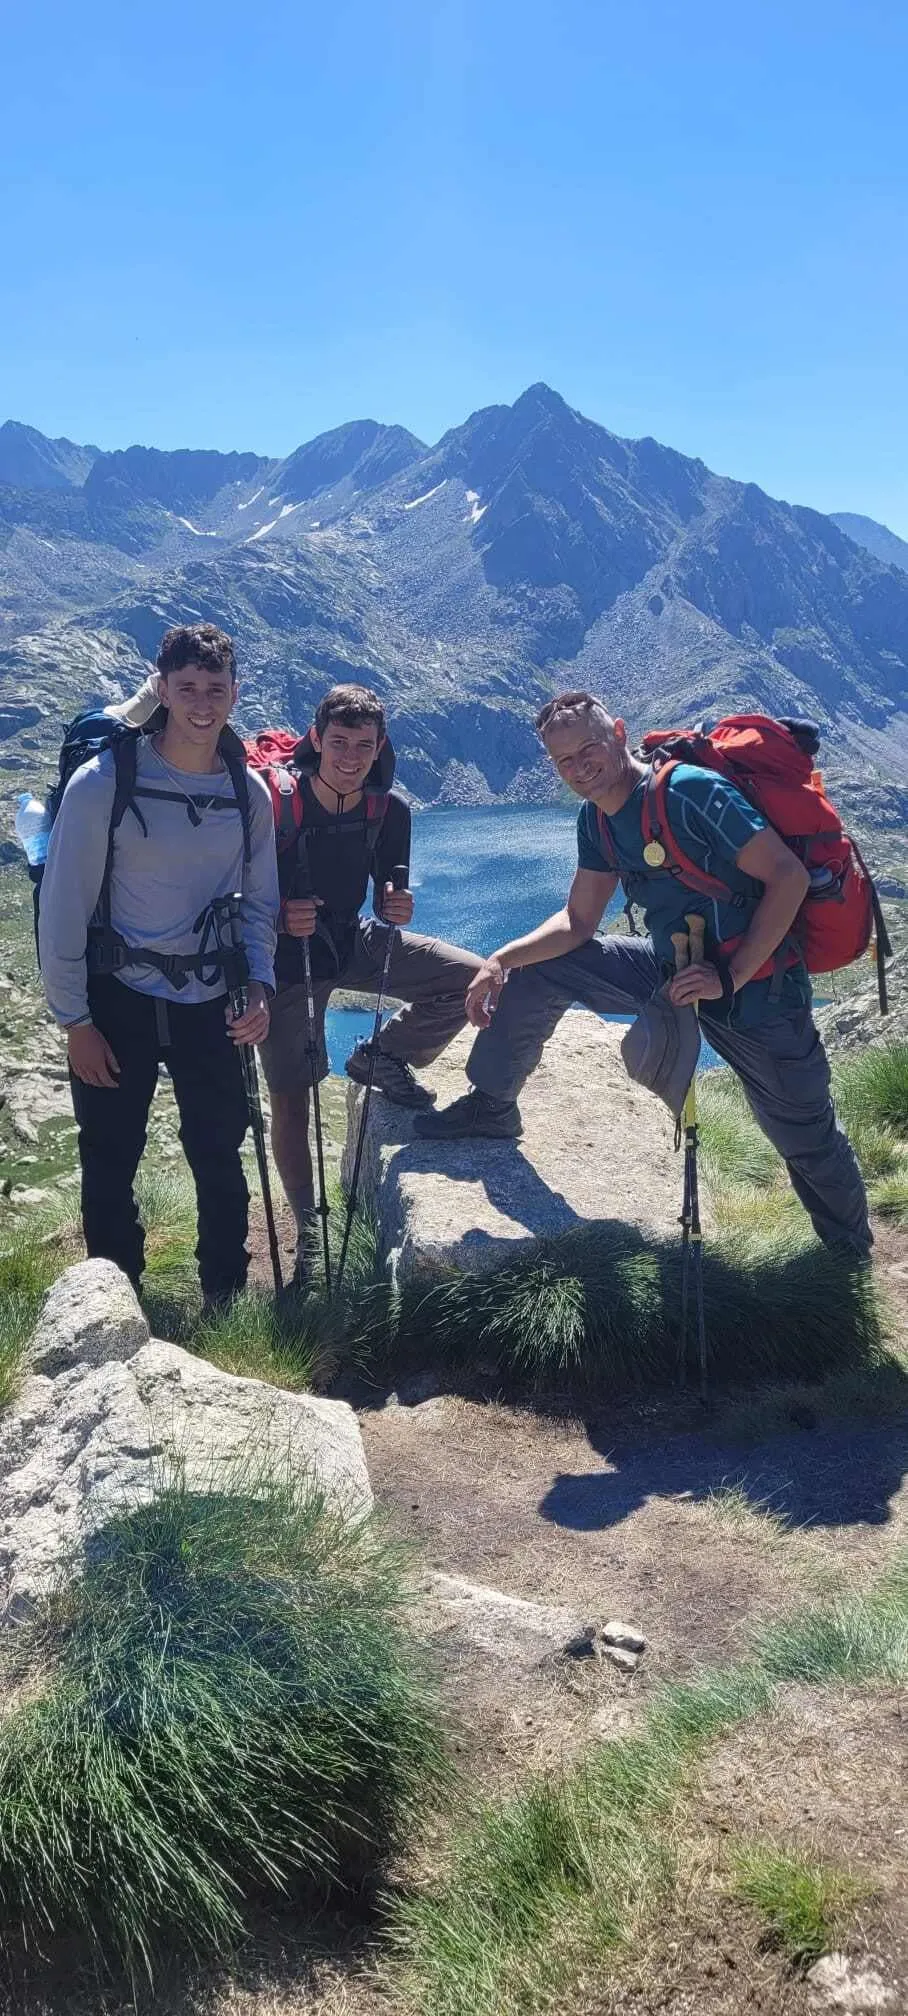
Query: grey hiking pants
[{"x": 781, "y": 1063}]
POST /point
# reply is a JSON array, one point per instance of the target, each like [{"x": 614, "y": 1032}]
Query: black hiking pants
[{"x": 207, "y": 1077}]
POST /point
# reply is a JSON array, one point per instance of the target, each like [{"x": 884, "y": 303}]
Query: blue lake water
[{"x": 479, "y": 877}]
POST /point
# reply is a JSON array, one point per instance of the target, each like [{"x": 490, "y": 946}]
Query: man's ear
[
  {"x": 315, "y": 739},
  {"x": 620, "y": 732},
  {"x": 162, "y": 690},
  {"x": 234, "y": 694},
  {"x": 381, "y": 743}
]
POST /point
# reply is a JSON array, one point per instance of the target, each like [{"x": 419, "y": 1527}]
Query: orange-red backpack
[{"x": 772, "y": 764}]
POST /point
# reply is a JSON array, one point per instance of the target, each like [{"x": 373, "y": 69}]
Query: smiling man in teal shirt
[{"x": 762, "y": 1027}]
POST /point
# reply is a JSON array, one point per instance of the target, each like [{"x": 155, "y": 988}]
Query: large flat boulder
[
  {"x": 86, "y": 1439},
  {"x": 595, "y": 1147}
]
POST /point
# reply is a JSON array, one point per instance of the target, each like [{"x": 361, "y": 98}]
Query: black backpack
[{"x": 89, "y": 735}]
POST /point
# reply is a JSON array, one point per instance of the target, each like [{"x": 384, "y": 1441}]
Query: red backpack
[
  {"x": 772, "y": 764},
  {"x": 281, "y": 757}
]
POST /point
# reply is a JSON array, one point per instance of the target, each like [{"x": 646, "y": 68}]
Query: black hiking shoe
[
  {"x": 392, "y": 1077},
  {"x": 474, "y": 1114}
]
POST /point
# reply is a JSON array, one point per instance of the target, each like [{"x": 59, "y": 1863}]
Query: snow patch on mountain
[{"x": 424, "y": 499}]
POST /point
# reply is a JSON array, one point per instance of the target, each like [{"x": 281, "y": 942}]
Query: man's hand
[
  {"x": 696, "y": 983},
  {"x": 91, "y": 1057},
  {"x": 300, "y": 916},
  {"x": 484, "y": 991},
  {"x": 396, "y": 904},
  {"x": 254, "y": 1025}
]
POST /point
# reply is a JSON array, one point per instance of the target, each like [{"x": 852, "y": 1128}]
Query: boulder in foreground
[{"x": 87, "y": 1437}]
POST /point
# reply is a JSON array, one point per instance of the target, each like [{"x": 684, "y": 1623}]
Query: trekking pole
[
  {"x": 691, "y": 950},
  {"x": 302, "y": 888},
  {"x": 227, "y": 914},
  {"x": 697, "y": 928},
  {"x": 399, "y": 877}
]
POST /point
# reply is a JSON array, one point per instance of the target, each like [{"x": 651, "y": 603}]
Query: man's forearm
[
  {"x": 549, "y": 941},
  {"x": 775, "y": 913}
]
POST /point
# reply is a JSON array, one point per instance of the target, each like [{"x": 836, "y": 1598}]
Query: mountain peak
[
  {"x": 30, "y": 460},
  {"x": 540, "y": 399},
  {"x": 363, "y": 454}
]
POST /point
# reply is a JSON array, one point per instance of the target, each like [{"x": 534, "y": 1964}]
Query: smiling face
[
  {"x": 589, "y": 751},
  {"x": 346, "y": 755},
  {"x": 199, "y": 700}
]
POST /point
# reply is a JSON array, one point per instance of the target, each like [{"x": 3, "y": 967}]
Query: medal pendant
[{"x": 654, "y": 854}]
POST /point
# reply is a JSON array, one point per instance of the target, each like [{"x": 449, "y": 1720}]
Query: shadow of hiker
[
  {"x": 834, "y": 1476},
  {"x": 510, "y": 1180}
]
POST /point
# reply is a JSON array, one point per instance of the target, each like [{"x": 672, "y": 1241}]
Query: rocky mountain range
[{"x": 528, "y": 549}]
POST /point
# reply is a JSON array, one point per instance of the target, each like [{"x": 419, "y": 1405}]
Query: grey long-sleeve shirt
[{"x": 161, "y": 882}]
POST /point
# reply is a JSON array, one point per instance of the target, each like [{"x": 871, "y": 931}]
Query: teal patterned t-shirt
[{"x": 713, "y": 822}]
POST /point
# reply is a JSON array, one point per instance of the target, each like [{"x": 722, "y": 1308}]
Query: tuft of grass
[
  {"x": 874, "y": 1082},
  {"x": 805, "y": 1906},
  {"x": 227, "y": 1708},
  {"x": 599, "y": 1310},
  {"x": 541, "y": 1891},
  {"x": 731, "y": 1507},
  {"x": 852, "y": 1638},
  {"x": 28, "y": 1265},
  {"x": 889, "y": 1196},
  {"x": 293, "y": 1344},
  {"x": 733, "y": 1149}
]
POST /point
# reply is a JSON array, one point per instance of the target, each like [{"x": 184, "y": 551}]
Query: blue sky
[{"x": 232, "y": 226}]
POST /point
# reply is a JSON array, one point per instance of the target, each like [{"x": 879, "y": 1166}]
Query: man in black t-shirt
[{"x": 354, "y": 829}]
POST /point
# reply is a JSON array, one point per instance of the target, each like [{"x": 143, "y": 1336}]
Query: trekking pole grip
[
  {"x": 697, "y": 928},
  {"x": 399, "y": 876},
  {"x": 682, "y": 950}
]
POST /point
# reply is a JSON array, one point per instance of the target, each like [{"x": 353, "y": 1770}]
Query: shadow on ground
[{"x": 831, "y": 1476}]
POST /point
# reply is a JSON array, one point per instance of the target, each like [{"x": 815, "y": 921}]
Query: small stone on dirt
[
  {"x": 849, "y": 1985},
  {"x": 623, "y": 1636},
  {"x": 625, "y": 1661}
]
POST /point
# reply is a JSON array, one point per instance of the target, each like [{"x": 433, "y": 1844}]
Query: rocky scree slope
[{"x": 528, "y": 548}]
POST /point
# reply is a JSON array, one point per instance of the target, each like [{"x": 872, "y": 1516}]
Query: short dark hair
[
  {"x": 196, "y": 644},
  {"x": 351, "y": 707},
  {"x": 564, "y": 703}
]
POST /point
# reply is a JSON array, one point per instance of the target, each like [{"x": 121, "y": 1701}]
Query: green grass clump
[
  {"x": 874, "y": 1082},
  {"x": 805, "y": 1906},
  {"x": 27, "y": 1268},
  {"x": 226, "y": 1707},
  {"x": 543, "y": 1890},
  {"x": 858, "y": 1637},
  {"x": 598, "y": 1310},
  {"x": 890, "y": 1196}
]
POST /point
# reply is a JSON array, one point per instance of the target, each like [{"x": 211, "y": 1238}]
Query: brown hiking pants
[{"x": 430, "y": 976}]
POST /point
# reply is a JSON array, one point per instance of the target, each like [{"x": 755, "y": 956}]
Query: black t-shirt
[{"x": 340, "y": 853}]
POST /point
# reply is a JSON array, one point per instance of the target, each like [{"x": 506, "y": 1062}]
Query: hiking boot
[
  {"x": 472, "y": 1115},
  {"x": 392, "y": 1077}
]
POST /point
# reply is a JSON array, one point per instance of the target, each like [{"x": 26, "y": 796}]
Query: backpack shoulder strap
[
  {"x": 231, "y": 748},
  {"x": 125, "y": 750},
  {"x": 603, "y": 835},
  {"x": 657, "y": 831},
  {"x": 376, "y": 806}
]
